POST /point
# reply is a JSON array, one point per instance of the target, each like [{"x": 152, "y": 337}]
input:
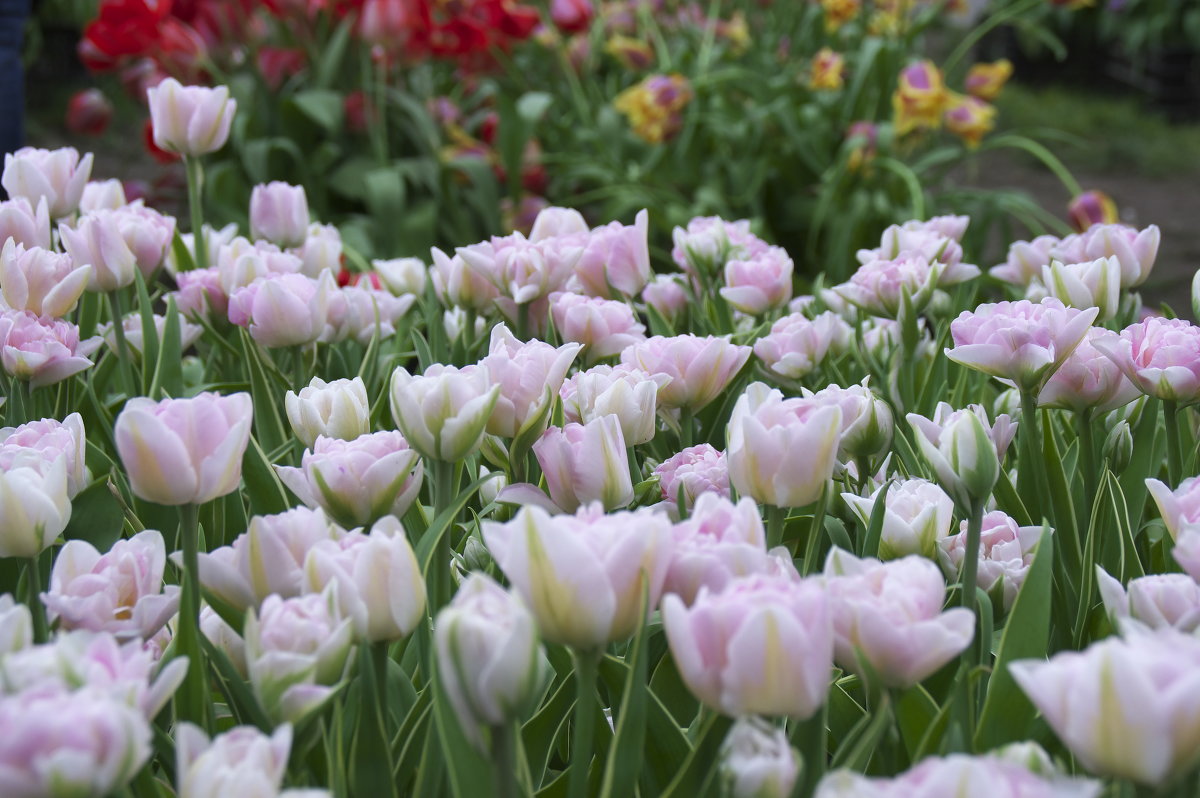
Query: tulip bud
[
  {"x": 1118, "y": 447},
  {"x": 168, "y": 463},
  {"x": 917, "y": 514},
  {"x": 554, "y": 221},
  {"x": 1086, "y": 285},
  {"x": 103, "y": 194},
  {"x": 1092, "y": 207},
  {"x": 962, "y": 455},
  {"x": 88, "y": 112},
  {"x": 279, "y": 213},
  {"x": 34, "y": 507},
  {"x": 242, "y": 760},
  {"x": 488, "y": 655},
  {"x": 585, "y": 463},
  {"x": 759, "y": 284},
  {"x": 867, "y": 424},
  {"x": 666, "y": 294},
  {"x": 757, "y": 761},
  {"x": 629, "y": 394},
  {"x": 402, "y": 275},
  {"x": 190, "y": 120},
  {"x": 43, "y": 282},
  {"x": 443, "y": 412},
  {"x": 57, "y": 176},
  {"x": 337, "y": 409}
]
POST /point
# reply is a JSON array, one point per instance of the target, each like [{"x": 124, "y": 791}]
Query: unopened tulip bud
[
  {"x": 103, "y": 194},
  {"x": 1092, "y": 207},
  {"x": 190, "y": 120},
  {"x": 961, "y": 453},
  {"x": 586, "y": 463},
  {"x": 1086, "y": 285},
  {"x": 402, "y": 275},
  {"x": 1118, "y": 447},
  {"x": 16, "y": 625},
  {"x": 34, "y": 507},
  {"x": 443, "y": 412},
  {"x": 279, "y": 213},
  {"x": 757, "y": 761},
  {"x": 242, "y": 760},
  {"x": 337, "y": 409}
]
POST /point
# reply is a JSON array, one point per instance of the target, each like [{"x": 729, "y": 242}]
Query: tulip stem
[
  {"x": 504, "y": 761},
  {"x": 815, "y": 532},
  {"x": 776, "y": 519},
  {"x": 195, "y": 186},
  {"x": 587, "y": 664},
  {"x": 1087, "y": 454},
  {"x": 190, "y": 703},
  {"x": 123, "y": 360},
  {"x": 1174, "y": 457},
  {"x": 971, "y": 561},
  {"x": 445, "y": 491},
  {"x": 811, "y": 737},
  {"x": 33, "y": 577}
]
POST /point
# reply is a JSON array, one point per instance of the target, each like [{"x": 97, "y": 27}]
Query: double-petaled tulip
[
  {"x": 694, "y": 471},
  {"x": 759, "y": 284},
  {"x": 1158, "y": 600},
  {"x": 554, "y": 221},
  {"x": 40, "y": 443},
  {"x": 295, "y": 649},
  {"x": 920, "y": 97},
  {"x": 937, "y": 240},
  {"x": 984, "y": 80},
  {"x": 1094, "y": 284},
  {"x": 708, "y": 241},
  {"x": 57, "y": 176},
  {"x": 604, "y": 327},
  {"x": 719, "y": 542},
  {"x": 781, "y": 451},
  {"x": 797, "y": 344},
  {"x": 95, "y": 240},
  {"x": 666, "y": 294},
  {"x": 1025, "y": 261},
  {"x": 279, "y": 213},
  {"x": 224, "y": 638},
  {"x": 120, "y": 591},
  {"x": 379, "y": 583},
  {"x": 615, "y": 261},
  {"x": 523, "y": 270},
  {"x": 27, "y": 224},
  {"x": 190, "y": 120},
  {"x": 402, "y": 275},
  {"x": 757, "y": 761},
  {"x": 357, "y": 482},
  {"x": 1160, "y": 356},
  {"x": 184, "y": 451},
  {"x": 41, "y": 281},
  {"x": 585, "y": 463},
  {"x": 629, "y": 394},
  {"x": 16, "y": 625},
  {"x": 488, "y": 654},
  {"x": 267, "y": 559},
  {"x": 584, "y": 576},
  {"x": 700, "y": 368},
  {"x": 962, "y": 450},
  {"x": 42, "y": 351},
  {"x": 867, "y": 422},
  {"x": 241, "y": 761},
  {"x": 882, "y": 286},
  {"x": 82, "y": 742},
  {"x": 1089, "y": 380},
  {"x": 917, "y": 514},
  {"x": 337, "y": 409},
  {"x": 1125, "y": 707},
  {"x": 135, "y": 333},
  {"x": 283, "y": 309},
  {"x": 969, "y": 118},
  {"x": 200, "y": 295},
  {"x": 443, "y": 413},
  {"x": 1092, "y": 208},
  {"x": 1134, "y": 249},
  {"x": 458, "y": 285},
  {"x": 763, "y": 645},
  {"x": 99, "y": 194},
  {"x": 1022, "y": 342},
  {"x": 529, "y": 375},
  {"x": 321, "y": 252},
  {"x": 1005, "y": 554},
  {"x": 1180, "y": 508},
  {"x": 146, "y": 232},
  {"x": 34, "y": 506},
  {"x": 361, "y": 313}
]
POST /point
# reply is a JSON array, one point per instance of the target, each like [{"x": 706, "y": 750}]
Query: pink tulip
[
  {"x": 1005, "y": 554},
  {"x": 878, "y": 286},
  {"x": 615, "y": 261},
  {"x": 1085, "y": 285},
  {"x": 603, "y": 326},
  {"x": 867, "y": 423},
  {"x": 357, "y": 482},
  {"x": 225, "y": 638},
  {"x": 34, "y": 505},
  {"x": 1025, "y": 261},
  {"x": 760, "y": 284},
  {"x": 719, "y": 542},
  {"x": 360, "y": 313},
  {"x": 757, "y": 761},
  {"x": 709, "y": 241},
  {"x": 530, "y": 376},
  {"x": 96, "y": 240},
  {"x": 959, "y": 445},
  {"x": 1126, "y": 708},
  {"x": 947, "y": 226},
  {"x": 1160, "y": 356},
  {"x": 584, "y": 576},
  {"x": 135, "y": 333},
  {"x": 267, "y": 559},
  {"x": 42, "y": 351},
  {"x": 200, "y": 294},
  {"x": 1187, "y": 552},
  {"x": 43, "y": 282},
  {"x": 184, "y": 451},
  {"x": 101, "y": 194},
  {"x": 781, "y": 451},
  {"x": 699, "y": 368},
  {"x": 321, "y": 251},
  {"x": 763, "y": 645},
  {"x": 337, "y": 409},
  {"x": 279, "y": 213},
  {"x": 585, "y": 463},
  {"x": 629, "y": 394},
  {"x": 16, "y": 625},
  {"x": 458, "y": 285},
  {"x": 84, "y": 742},
  {"x": 284, "y": 309},
  {"x": 1088, "y": 380},
  {"x": 936, "y": 241},
  {"x": 666, "y": 294},
  {"x": 523, "y": 270},
  {"x": 797, "y": 345},
  {"x": 1158, "y": 600},
  {"x": 917, "y": 514},
  {"x": 146, "y": 232},
  {"x": 25, "y": 223},
  {"x": 242, "y": 760},
  {"x": 57, "y": 176},
  {"x": 402, "y": 275},
  {"x": 190, "y": 120},
  {"x": 120, "y": 592},
  {"x": 696, "y": 470},
  {"x": 214, "y": 240},
  {"x": 1022, "y": 342},
  {"x": 1180, "y": 508},
  {"x": 552, "y": 222},
  {"x": 443, "y": 412},
  {"x": 42, "y": 442},
  {"x": 890, "y": 614},
  {"x": 1134, "y": 249}
]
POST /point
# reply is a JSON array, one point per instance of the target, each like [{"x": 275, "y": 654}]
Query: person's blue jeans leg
[{"x": 13, "y": 14}]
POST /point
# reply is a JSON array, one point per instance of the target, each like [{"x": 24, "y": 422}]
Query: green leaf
[
  {"x": 915, "y": 713},
  {"x": 702, "y": 760},
  {"x": 149, "y": 332},
  {"x": 168, "y": 371},
  {"x": 235, "y": 688},
  {"x": 183, "y": 255},
  {"x": 541, "y": 732},
  {"x": 334, "y": 51},
  {"x": 469, "y": 771},
  {"x": 323, "y": 106},
  {"x": 96, "y": 516},
  {"x": 624, "y": 760},
  {"x": 268, "y": 425},
  {"x": 263, "y": 489},
  {"x": 1007, "y": 713}
]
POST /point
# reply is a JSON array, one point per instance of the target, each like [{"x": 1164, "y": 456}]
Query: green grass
[{"x": 1095, "y": 132}]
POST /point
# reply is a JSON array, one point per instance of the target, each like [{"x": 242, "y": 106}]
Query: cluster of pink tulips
[{"x": 536, "y": 519}]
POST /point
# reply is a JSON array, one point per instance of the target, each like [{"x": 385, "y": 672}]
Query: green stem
[
  {"x": 687, "y": 429},
  {"x": 523, "y": 321},
  {"x": 1087, "y": 454},
  {"x": 124, "y": 362},
  {"x": 379, "y": 667},
  {"x": 1029, "y": 484},
  {"x": 16, "y": 411},
  {"x": 191, "y": 702},
  {"x": 33, "y": 576},
  {"x": 776, "y": 518},
  {"x": 444, "y": 492},
  {"x": 971, "y": 561},
  {"x": 1174, "y": 456},
  {"x": 811, "y": 737},
  {"x": 504, "y": 761},
  {"x": 587, "y": 665},
  {"x": 195, "y": 187},
  {"x": 815, "y": 532}
]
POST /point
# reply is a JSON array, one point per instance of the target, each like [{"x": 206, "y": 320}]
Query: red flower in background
[
  {"x": 88, "y": 113},
  {"x": 572, "y": 16},
  {"x": 126, "y": 30},
  {"x": 278, "y": 63},
  {"x": 160, "y": 155}
]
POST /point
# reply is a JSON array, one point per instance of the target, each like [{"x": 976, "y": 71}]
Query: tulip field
[{"x": 633, "y": 505}]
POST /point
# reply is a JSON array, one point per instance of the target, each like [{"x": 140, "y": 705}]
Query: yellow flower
[
  {"x": 827, "y": 70},
  {"x": 970, "y": 118},
  {"x": 654, "y": 105},
  {"x": 985, "y": 80},
  {"x": 632, "y": 53},
  {"x": 920, "y": 98},
  {"x": 839, "y": 12}
]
